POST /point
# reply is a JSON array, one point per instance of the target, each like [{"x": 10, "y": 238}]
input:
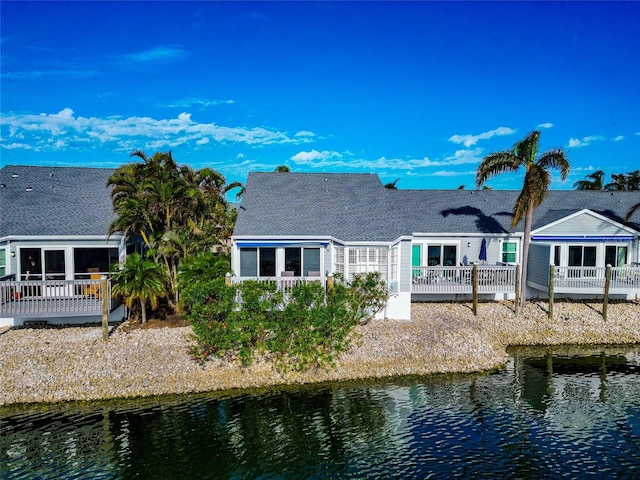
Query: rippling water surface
[{"x": 571, "y": 415}]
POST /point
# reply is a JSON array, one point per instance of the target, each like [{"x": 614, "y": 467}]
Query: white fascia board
[
  {"x": 585, "y": 211},
  {"x": 458, "y": 234},
  {"x": 367, "y": 244},
  {"x": 75, "y": 238}
]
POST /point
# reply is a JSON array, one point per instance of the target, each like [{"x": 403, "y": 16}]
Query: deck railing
[
  {"x": 453, "y": 280},
  {"x": 283, "y": 283},
  {"x": 624, "y": 279},
  {"x": 40, "y": 298}
]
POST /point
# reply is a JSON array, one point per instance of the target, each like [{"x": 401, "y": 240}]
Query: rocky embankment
[{"x": 52, "y": 365}]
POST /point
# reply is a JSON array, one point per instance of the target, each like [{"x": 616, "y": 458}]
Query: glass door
[{"x": 54, "y": 265}]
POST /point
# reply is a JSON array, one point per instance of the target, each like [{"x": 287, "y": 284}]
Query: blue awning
[
  {"x": 582, "y": 238},
  {"x": 280, "y": 243}
]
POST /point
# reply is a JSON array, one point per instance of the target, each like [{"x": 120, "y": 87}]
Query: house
[
  {"x": 54, "y": 242},
  {"x": 424, "y": 243}
]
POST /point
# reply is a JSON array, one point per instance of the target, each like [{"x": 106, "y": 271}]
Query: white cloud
[
  {"x": 198, "y": 102},
  {"x": 470, "y": 140},
  {"x": 583, "y": 142},
  {"x": 305, "y": 133},
  {"x": 545, "y": 125},
  {"x": 159, "y": 54},
  {"x": 58, "y": 131},
  {"x": 449, "y": 173},
  {"x": 619, "y": 138},
  {"x": 347, "y": 161},
  {"x": 314, "y": 155}
]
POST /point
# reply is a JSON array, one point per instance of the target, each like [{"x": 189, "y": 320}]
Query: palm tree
[
  {"x": 140, "y": 280},
  {"x": 593, "y": 181},
  {"x": 537, "y": 179},
  {"x": 622, "y": 182},
  {"x": 176, "y": 210}
]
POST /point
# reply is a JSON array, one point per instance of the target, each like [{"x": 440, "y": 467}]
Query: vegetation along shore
[{"x": 54, "y": 365}]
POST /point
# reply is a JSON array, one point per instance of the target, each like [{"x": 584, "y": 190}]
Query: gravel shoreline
[{"x": 54, "y": 365}]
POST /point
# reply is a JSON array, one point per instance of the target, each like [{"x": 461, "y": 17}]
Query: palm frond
[
  {"x": 631, "y": 212},
  {"x": 495, "y": 163},
  {"x": 555, "y": 158}
]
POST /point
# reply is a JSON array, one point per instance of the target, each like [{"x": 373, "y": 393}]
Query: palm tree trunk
[
  {"x": 528, "y": 219},
  {"x": 143, "y": 309}
]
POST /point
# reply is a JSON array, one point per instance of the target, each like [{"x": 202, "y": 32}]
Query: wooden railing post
[
  {"x": 227, "y": 279},
  {"x": 607, "y": 283},
  {"x": 329, "y": 282},
  {"x": 552, "y": 281},
  {"x": 517, "y": 287},
  {"x": 474, "y": 281},
  {"x": 105, "y": 296}
]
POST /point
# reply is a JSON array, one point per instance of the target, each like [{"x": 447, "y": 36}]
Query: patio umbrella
[{"x": 483, "y": 251}]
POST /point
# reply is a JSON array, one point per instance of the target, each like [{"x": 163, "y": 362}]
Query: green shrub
[{"x": 307, "y": 327}]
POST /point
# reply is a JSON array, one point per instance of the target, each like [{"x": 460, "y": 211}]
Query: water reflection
[{"x": 562, "y": 414}]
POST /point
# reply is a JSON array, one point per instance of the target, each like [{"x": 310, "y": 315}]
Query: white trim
[
  {"x": 76, "y": 238},
  {"x": 458, "y": 235}
]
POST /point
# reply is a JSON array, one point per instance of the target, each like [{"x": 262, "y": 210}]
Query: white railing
[
  {"x": 53, "y": 297},
  {"x": 283, "y": 283},
  {"x": 624, "y": 279},
  {"x": 452, "y": 280}
]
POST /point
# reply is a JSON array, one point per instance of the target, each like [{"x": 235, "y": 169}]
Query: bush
[{"x": 308, "y": 328}]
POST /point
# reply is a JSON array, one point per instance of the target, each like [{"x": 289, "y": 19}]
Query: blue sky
[{"x": 419, "y": 91}]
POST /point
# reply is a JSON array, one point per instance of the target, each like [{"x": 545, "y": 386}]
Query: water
[{"x": 572, "y": 415}]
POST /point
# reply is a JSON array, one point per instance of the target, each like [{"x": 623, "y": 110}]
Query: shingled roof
[
  {"x": 357, "y": 207},
  {"x": 54, "y": 201}
]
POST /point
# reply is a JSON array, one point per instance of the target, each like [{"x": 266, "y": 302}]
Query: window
[
  {"x": 616, "y": 256},
  {"x": 339, "y": 252},
  {"x": 310, "y": 260},
  {"x": 267, "y": 262},
  {"x": 582, "y": 256},
  {"x": 442, "y": 255},
  {"x": 301, "y": 261},
  {"x": 263, "y": 261},
  {"x": 368, "y": 259},
  {"x": 3, "y": 262},
  {"x": 394, "y": 263},
  {"x": 556, "y": 255},
  {"x": 248, "y": 262},
  {"x": 293, "y": 261},
  {"x": 96, "y": 260},
  {"x": 509, "y": 252}
]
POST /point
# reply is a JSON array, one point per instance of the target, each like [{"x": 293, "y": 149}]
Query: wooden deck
[
  {"x": 624, "y": 280},
  {"x": 54, "y": 298},
  {"x": 457, "y": 280}
]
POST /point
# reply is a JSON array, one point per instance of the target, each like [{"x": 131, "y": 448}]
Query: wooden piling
[
  {"x": 552, "y": 281},
  {"x": 474, "y": 281},
  {"x": 607, "y": 283},
  {"x": 518, "y": 292},
  {"x": 105, "y": 297}
]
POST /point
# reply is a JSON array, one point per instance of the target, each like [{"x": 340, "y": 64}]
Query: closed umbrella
[{"x": 483, "y": 251}]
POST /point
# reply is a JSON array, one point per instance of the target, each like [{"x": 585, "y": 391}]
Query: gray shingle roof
[
  {"x": 62, "y": 201},
  {"x": 357, "y": 207}
]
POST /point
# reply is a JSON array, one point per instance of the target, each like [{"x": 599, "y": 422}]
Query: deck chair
[{"x": 93, "y": 289}]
